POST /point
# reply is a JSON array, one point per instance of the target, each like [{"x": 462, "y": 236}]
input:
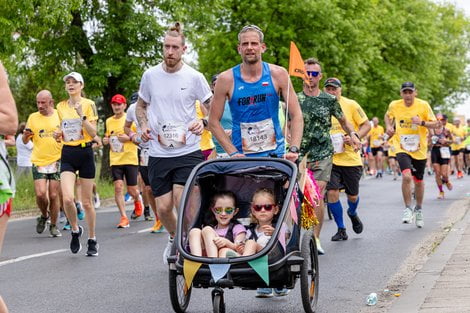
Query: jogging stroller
[{"x": 266, "y": 268}]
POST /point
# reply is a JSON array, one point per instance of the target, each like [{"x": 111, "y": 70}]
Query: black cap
[
  {"x": 214, "y": 78},
  {"x": 134, "y": 97},
  {"x": 333, "y": 81},
  {"x": 407, "y": 86}
]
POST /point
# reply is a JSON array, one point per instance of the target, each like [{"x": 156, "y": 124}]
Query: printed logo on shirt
[
  {"x": 264, "y": 84},
  {"x": 252, "y": 99},
  {"x": 241, "y": 87}
]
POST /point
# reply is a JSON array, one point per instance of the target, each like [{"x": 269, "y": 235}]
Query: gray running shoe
[
  {"x": 407, "y": 216},
  {"x": 41, "y": 224},
  {"x": 54, "y": 231}
]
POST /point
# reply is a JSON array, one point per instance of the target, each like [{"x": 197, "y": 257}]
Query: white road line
[
  {"x": 144, "y": 230},
  {"x": 27, "y": 257}
]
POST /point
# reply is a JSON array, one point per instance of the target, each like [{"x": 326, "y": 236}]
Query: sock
[
  {"x": 417, "y": 208},
  {"x": 337, "y": 211},
  {"x": 440, "y": 188},
  {"x": 94, "y": 238},
  {"x": 353, "y": 207}
]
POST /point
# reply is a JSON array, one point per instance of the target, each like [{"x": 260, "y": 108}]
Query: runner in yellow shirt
[
  {"x": 45, "y": 157},
  {"x": 77, "y": 128},
  {"x": 347, "y": 164},
  {"x": 376, "y": 141},
  {"x": 123, "y": 159},
  {"x": 458, "y": 147},
  {"x": 411, "y": 117}
]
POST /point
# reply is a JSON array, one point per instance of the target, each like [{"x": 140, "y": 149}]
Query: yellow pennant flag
[
  {"x": 190, "y": 269},
  {"x": 296, "y": 63}
]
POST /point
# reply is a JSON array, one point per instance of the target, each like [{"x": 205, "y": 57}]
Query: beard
[
  {"x": 252, "y": 59},
  {"x": 171, "y": 63}
]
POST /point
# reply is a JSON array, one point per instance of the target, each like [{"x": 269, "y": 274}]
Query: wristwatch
[
  {"x": 84, "y": 118},
  {"x": 205, "y": 122},
  {"x": 294, "y": 149},
  {"x": 423, "y": 123}
]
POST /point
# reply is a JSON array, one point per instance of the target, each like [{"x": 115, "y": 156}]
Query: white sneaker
[
  {"x": 96, "y": 199},
  {"x": 407, "y": 216},
  {"x": 419, "y": 218},
  {"x": 319, "y": 247},
  {"x": 167, "y": 251}
]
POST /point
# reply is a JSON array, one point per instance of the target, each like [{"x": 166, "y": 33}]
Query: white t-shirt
[
  {"x": 172, "y": 98},
  {"x": 23, "y": 152}
]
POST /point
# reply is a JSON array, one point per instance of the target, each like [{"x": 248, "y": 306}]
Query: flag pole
[{"x": 286, "y": 113}]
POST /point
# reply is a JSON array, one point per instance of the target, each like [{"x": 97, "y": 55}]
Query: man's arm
[
  {"x": 141, "y": 115},
  {"x": 388, "y": 124},
  {"x": 8, "y": 112}
]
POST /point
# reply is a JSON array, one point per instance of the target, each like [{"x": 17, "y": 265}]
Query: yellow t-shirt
[
  {"x": 206, "y": 136},
  {"x": 356, "y": 116},
  {"x": 394, "y": 145},
  {"x": 412, "y": 138},
  {"x": 376, "y": 139},
  {"x": 46, "y": 149},
  {"x": 459, "y": 136},
  {"x": 71, "y": 124},
  {"x": 120, "y": 153}
]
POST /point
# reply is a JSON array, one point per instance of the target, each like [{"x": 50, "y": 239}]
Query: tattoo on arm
[{"x": 141, "y": 112}]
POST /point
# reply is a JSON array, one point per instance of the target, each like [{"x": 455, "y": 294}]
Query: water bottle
[{"x": 371, "y": 299}]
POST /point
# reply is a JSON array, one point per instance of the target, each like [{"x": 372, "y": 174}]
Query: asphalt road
[{"x": 39, "y": 274}]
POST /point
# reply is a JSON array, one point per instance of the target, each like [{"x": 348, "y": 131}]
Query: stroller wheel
[
  {"x": 179, "y": 293},
  {"x": 309, "y": 273},
  {"x": 218, "y": 301}
]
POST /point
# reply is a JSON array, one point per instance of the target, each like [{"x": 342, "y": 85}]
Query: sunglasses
[
  {"x": 267, "y": 207},
  {"x": 220, "y": 210},
  {"x": 313, "y": 73}
]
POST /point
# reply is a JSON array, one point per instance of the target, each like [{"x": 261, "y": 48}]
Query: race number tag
[
  {"x": 458, "y": 140},
  {"x": 72, "y": 129},
  {"x": 258, "y": 137},
  {"x": 409, "y": 143},
  {"x": 377, "y": 143},
  {"x": 144, "y": 157},
  {"x": 115, "y": 144},
  {"x": 48, "y": 169},
  {"x": 172, "y": 135},
  {"x": 338, "y": 142},
  {"x": 445, "y": 152}
]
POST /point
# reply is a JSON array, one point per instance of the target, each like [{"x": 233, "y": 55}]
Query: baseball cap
[
  {"x": 408, "y": 86},
  {"x": 214, "y": 78},
  {"x": 117, "y": 98},
  {"x": 77, "y": 76},
  {"x": 332, "y": 81},
  {"x": 134, "y": 97}
]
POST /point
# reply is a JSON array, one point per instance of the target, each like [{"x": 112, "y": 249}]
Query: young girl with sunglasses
[{"x": 223, "y": 232}]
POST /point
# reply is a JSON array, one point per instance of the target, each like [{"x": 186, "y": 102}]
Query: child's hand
[
  {"x": 239, "y": 248},
  {"x": 267, "y": 230},
  {"x": 220, "y": 242}
]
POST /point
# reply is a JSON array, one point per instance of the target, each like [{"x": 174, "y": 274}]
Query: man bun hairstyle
[{"x": 176, "y": 30}]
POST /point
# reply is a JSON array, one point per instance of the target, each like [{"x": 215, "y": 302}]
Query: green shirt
[{"x": 317, "y": 113}]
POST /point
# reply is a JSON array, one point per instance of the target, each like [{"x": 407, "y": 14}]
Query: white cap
[{"x": 77, "y": 76}]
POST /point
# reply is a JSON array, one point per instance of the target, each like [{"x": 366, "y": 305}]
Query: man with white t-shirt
[{"x": 166, "y": 113}]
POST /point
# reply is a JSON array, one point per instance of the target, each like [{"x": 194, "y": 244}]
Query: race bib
[
  {"x": 409, "y": 143},
  {"x": 72, "y": 129},
  {"x": 445, "y": 152},
  {"x": 172, "y": 135},
  {"x": 258, "y": 137},
  {"x": 48, "y": 169},
  {"x": 115, "y": 144},
  {"x": 338, "y": 142},
  {"x": 377, "y": 143},
  {"x": 458, "y": 140},
  {"x": 144, "y": 157}
]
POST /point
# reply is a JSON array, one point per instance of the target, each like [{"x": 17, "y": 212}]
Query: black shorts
[
  {"x": 144, "y": 173},
  {"x": 346, "y": 177},
  {"x": 457, "y": 152},
  {"x": 128, "y": 171},
  {"x": 375, "y": 150},
  {"x": 76, "y": 158},
  {"x": 385, "y": 153},
  {"x": 416, "y": 166},
  {"x": 165, "y": 172},
  {"x": 436, "y": 156}
]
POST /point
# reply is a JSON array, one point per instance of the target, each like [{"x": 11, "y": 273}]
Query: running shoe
[
  {"x": 147, "y": 215},
  {"x": 138, "y": 210},
  {"x": 127, "y": 198},
  {"x": 167, "y": 251},
  {"x": 96, "y": 200},
  {"x": 407, "y": 216},
  {"x": 75, "y": 245},
  {"x": 441, "y": 195},
  {"x": 340, "y": 235},
  {"x": 459, "y": 174},
  {"x": 92, "y": 248},
  {"x": 264, "y": 293},
  {"x": 41, "y": 224},
  {"x": 319, "y": 247},
  {"x": 449, "y": 185},
  {"x": 280, "y": 292},
  {"x": 419, "y": 218},
  {"x": 54, "y": 231},
  {"x": 157, "y": 227},
  {"x": 356, "y": 223},
  {"x": 123, "y": 223},
  {"x": 80, "y": 211},
  {"x": 67, "y": 226},
  {"x": 62, "y": 217}
]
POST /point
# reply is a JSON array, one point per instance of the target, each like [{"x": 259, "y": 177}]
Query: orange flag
[{"x": 296, "y": 63}]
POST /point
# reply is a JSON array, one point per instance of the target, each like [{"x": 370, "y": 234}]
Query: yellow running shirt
[
  {"x": 459, "y": 136},
  {"x": 120, "y": 153},
  {"x": 206, "y": 137},
  {"x": 394, "y": 145},
  {"x": 73, "y": 131},
  {"x": 356, "y": 116},
  {"x": 46, "y": 149},
  {"x": 412, "y": 139},
  {"x": 376, "y": 134}
]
